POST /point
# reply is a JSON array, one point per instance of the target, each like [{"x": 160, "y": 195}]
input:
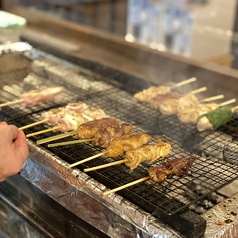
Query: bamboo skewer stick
[
  {"x": 227, "y": 102},
  {"x": 69, "y": 142},
  {"x": 126, "y": 186},
  {"x": 64, "y": 135},
  {"x": 85, "y": 160},
  {"x": 105, "y": 165},
  {"x": 33, "y": 124},
  {"x": 11, "y": 103},
  {"x": 184, "y": 82},
  {"x": 199, "y": 90},
  {"x": 212, "y": 98},
  {"x": 234, "y": 108},
  {"x": 44, "y": 131}
]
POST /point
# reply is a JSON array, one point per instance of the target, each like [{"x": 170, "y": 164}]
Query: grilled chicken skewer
[
  {"x": 102, "y": 131},
  {"x": 34, "y": 97},
  {"x": 173, "y": 105},
  {"x": 215, "y": 119},
  {"x": 118, "y": 146},
  {"x": 191, "y": 115},
  {"x": 147, "y": 94},
  {"x": 134, "y": 157},
  {"x": 158, "y": 174},
  {"x": 173, "y": 96}
]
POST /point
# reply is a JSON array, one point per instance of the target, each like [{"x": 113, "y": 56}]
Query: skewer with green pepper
[{"x": 214, "y": 119}]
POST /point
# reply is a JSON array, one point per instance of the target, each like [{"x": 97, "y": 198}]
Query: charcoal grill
[{"x": 169, "y": 208}]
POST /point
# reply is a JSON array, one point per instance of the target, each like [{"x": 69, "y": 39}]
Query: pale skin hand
[{"x": 13, "y": 150}]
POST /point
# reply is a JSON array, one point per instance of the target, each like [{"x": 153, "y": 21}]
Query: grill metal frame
[{"x": 113, "y": 91}]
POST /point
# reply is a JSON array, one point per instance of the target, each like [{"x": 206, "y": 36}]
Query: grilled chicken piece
[
  {"x": 104, "y": 136},
  {"x": 174, "y": 105},
  {"x": 147, "y": 94},
  {"x": 176, "y": 167},
  {"x": 159, "y": 98},
  {"x": 87, "y": 130},
  {"x": 148, "y": 153},
  {"x": 169, "y": 106},
  {"x": 33, "y": 97},
  {"x": 127, "y": 142},
  {"x": 187, "y": 101},
  {"x": 191, "y": 115}
]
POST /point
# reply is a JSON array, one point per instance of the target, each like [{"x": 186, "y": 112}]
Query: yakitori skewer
[
  {"x": 180, "y": 101},
  {"x": 102, "y": 131},
  {"x": 147, "y": 94},
  {"x": 216, "y": 118},
  {"x": 191, "y": 115},
  {"x": 173, "y": 105},
  {"x": 34, "y": 97},
  {"x": 70, "y": 116},
  {"x": 118, "y": 146},
  {"x": 134, "y": 157},
  {"x": 158, "y": 174}
]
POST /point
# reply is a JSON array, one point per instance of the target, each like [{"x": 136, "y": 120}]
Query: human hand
[{"x": 13, "y": 150}]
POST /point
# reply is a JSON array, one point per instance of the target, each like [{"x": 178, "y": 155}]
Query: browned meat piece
[
  {"x": 104, "y": 136},
  {"x": 148, "y": 153},
  {"x": 176, "y": 167},
  {"x": 87, "y": 130},
  {"x": 128, "y": 142}
]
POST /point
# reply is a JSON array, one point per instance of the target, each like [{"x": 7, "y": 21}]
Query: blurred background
[{"x": 203, "y": 29}]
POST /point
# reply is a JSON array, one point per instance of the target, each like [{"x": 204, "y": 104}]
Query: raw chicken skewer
[{"x": 36, "y": 96}]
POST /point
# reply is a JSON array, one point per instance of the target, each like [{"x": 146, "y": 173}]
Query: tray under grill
[{"x": 113, "y": 91}]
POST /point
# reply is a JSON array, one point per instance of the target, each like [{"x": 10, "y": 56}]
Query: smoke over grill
[{"x": 178, "y": 201}]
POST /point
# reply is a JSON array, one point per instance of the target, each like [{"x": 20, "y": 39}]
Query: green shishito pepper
[{"x": 219, "y": 116}]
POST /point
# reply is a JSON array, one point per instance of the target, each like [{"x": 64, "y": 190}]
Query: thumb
[{"x": 21, "y": 146}]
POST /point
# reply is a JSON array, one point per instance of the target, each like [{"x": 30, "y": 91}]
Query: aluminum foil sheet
[
  {"x": 82, "y": 195},
  {"x": 222, "y": 219}
]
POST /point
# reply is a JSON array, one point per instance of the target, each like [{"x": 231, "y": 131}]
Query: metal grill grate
[{"x": 112, "y": 91}]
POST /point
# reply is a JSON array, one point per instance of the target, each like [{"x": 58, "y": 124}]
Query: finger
[
  {"x": 13, "y": 132},
  {"x": 21, "y": 146},
  {"x": 3, "y": 123}
]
